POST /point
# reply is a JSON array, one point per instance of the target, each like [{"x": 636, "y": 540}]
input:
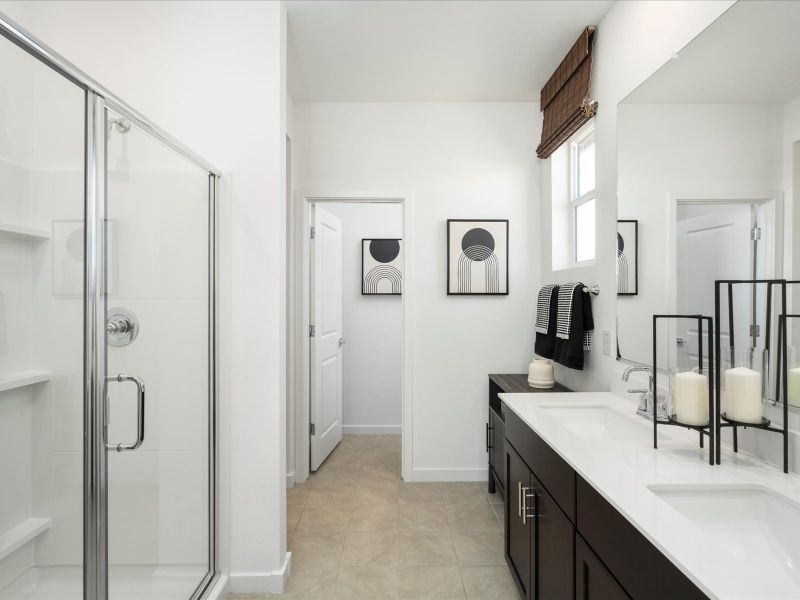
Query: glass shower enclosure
[{"x": 108, "y": 456}]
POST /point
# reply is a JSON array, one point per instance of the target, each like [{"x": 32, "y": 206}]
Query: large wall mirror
[{"x": 709, "y": 171}]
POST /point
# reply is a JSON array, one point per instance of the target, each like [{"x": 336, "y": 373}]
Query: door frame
[
  {"x": 773, "y": 200},
  {"x": 299, "y": 358}
]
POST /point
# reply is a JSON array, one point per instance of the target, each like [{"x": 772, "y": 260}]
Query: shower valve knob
[{"x": 122, "y": 327}]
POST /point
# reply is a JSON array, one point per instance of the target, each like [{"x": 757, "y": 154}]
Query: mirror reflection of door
[{"x": 713, "y": 241}]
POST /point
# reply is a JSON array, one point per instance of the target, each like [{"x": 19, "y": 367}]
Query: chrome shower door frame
[{"x": 95, "y": 469}]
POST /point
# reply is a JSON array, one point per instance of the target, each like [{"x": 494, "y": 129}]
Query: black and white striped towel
[
  {"x": 565, "y": 309},
  {"x": 587, "y": 340},
  {"x": 543, "y": 309}
]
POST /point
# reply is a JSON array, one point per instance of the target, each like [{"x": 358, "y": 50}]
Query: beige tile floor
[{"x": 357, "y": 532}]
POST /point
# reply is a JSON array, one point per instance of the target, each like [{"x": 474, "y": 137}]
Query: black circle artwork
[
  {"x": 477, "y": 244},
  {"x": 384, "y": 251},
  {"x": 620, "y": 244}
]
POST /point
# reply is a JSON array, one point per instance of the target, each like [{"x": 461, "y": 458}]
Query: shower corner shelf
[
  {"x": 18, "y": 380},
  {"x": 32, "y": 232},
  {"x": 20, "y": 535}
]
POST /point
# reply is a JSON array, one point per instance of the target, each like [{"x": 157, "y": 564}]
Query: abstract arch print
[
  {"x": 477, "y": 257},
  {"x": 381, "y": 266},
  {"x": 477, "y": 248}
]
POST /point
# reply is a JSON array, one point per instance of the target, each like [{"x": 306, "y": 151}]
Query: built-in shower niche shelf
[
  {"x": 18, "y": 380},
  {"x": 20, "y": 535},
  {"x": 23, "y": 230}
]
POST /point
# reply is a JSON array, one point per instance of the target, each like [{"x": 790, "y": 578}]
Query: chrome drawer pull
[{"x": 525, "y": 496}]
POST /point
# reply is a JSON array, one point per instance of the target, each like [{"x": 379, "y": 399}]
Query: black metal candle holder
[
  {"x": 781, "y": 380},
  {"x": 783, "y": 343},
  {"x": 704, "y": 430}
]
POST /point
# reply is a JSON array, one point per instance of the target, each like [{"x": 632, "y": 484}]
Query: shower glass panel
[
  {"x": 107, "y": 336},
  {"x": 157, "y": 301},
  {"x": 41, "y": 329}
]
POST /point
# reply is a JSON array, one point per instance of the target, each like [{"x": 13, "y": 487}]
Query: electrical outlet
[{"x": 607, "y": 343}]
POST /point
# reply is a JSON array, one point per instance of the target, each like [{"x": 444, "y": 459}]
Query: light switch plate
[{"x": 607, "y": 343}]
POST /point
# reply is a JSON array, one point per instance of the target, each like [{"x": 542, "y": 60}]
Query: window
[
  {"x": 574, "y": 200},
  {"x": 582, "y": 195}
]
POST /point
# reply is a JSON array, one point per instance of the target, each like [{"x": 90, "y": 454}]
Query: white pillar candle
[
  {"x": 794, "y": 386},
  {"x": 691, "y": 398},
  {"x": 743, "y": 395}
]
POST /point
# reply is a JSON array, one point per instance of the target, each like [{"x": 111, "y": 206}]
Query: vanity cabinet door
[
  {"x": 519, "y": 538},
  {"x": 592, "y": 580},
  {"x": 555, "y": 539},
  {"x": 496, "y": 441}
]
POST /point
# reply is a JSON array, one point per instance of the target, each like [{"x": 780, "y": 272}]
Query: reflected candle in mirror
[
  {"x": 743, "y": 395},
  {"x": 794, "y": 386},
  {"x": 691, "y": 398}
]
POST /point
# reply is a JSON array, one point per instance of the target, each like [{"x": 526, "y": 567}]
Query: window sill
[{"x": 574, "y": 266}]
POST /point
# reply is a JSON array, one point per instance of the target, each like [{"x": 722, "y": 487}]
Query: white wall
[
  {"x": 213, "y": 75},
  {"x": 458, "y": 161},
  {"x": 791, "y": 188},
  {"x": 372, "y": 356},
  {"x": 633, "y": 40},
  {"x": 673, "y": 148}
]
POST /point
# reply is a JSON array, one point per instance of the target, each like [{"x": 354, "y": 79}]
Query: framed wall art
[
  {"x": 477, "y": 257},
  {"x": 381, "y": 267}
]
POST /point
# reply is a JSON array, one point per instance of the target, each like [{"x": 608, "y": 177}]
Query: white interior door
[
  {"x": 712, "y": 246},
  {"x": 327, "y": 340}
]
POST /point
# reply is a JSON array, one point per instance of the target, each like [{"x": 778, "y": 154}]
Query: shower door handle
[{"x": 139, "y": 412}]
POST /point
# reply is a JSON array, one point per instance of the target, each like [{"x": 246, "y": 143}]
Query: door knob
[{"x": 342, "y": 341}]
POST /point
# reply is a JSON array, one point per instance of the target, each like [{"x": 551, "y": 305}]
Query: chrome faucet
[{"x": 648, "y": 396}]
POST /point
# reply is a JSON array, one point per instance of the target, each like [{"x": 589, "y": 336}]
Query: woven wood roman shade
[{"x": 565, "y": 97}]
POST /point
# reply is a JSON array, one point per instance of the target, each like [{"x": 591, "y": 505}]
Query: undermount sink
[
  {"x": 746, "y": 520},
  {"x": 596, "y": 422}
]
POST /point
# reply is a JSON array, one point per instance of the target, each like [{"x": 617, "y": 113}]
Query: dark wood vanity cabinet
[
  {"x": 520, "y": 542},
  {"x": 555, "y": 535},
  {"x": 495, "y": 426},
  {"x": 593, "y": 581},
  {"x": 495, "y": 446},
  {"x": 563, "y": 540}
]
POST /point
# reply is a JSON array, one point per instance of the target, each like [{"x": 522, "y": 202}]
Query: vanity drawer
[
  {"x": 551, "y": 470},
  {"x": 637, "y": 564}
]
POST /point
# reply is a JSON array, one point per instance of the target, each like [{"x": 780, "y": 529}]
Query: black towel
[
  {"x": 569, "y": 352},
  {"x": 546, "y": 342}
]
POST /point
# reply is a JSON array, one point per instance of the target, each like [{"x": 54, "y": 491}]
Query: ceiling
[
  {"x": 750, "y": 55},
  {"x": 430, "y": 51}
]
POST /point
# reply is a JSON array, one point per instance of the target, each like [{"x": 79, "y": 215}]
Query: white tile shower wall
[
  {"x": 17, "y": 407},
  {"x": 459, "y": 161},
  {"x": 372, "y": 326},
  {"x": 157, "y": 499},
  {"x": 633, "y": 40},
  {"x": 213, "y": 74}
]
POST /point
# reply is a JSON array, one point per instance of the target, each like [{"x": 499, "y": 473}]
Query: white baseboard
[
  {"x": 262, "y": 583},
  {"x": 456, "y": 474},
  {"x": 372, "y": 429},
  {"x": 290, "y": 480}
]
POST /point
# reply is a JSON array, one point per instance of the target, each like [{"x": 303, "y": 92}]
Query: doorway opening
[
  {"x": 351, "y": 331},
  {"x": 738, "y": 239}
]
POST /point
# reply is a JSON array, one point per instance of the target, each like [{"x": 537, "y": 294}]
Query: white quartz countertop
[{"x": 741, "y": 542}]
